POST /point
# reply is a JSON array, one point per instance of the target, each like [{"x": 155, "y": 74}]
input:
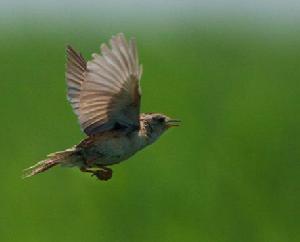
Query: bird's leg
[
  {"x": 84, "y": 169},
  {"x": 103, "y": 173}
]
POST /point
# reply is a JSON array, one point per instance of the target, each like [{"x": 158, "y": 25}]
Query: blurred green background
[{"x": 229, "y": 173}]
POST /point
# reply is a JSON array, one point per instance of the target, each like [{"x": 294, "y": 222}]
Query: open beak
[{"x": 173, "y": 123}]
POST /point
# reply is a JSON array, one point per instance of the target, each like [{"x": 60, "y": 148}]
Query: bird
[{"x": 105, "y": 94}]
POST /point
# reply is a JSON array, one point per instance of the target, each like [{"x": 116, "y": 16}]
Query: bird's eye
[{"x": 161, "y": 119}]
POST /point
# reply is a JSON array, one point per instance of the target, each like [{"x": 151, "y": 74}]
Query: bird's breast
[{"x": 113, "y": 149}]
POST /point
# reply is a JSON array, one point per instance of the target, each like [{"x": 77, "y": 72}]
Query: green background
[{"x": 229, "y": 173}]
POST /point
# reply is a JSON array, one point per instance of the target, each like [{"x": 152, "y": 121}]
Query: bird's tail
[{"x": 52, "y": 160}]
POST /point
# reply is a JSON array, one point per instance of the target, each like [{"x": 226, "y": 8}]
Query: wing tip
[
  {"x": 69, "y": 48},
  {"x": 73, "y": 55}
]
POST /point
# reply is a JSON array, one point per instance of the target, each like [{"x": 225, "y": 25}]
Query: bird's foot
[{"x": 103, "y": 174}]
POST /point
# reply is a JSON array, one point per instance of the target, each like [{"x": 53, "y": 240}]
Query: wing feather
[{"x": 105, "y": 91}]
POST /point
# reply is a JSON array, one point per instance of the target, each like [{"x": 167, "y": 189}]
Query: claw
[{"x": 104, "y": 174}]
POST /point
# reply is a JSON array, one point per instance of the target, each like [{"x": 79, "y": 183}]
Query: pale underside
[{"x": 110, "y": 148}]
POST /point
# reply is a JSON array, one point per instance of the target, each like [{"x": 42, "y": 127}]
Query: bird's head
[{"x": 156, "y": 123}]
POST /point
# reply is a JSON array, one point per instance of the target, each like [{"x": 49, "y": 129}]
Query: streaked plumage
[{"x": 105, "y": 94}]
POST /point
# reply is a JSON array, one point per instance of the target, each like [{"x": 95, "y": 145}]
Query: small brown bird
[{"x": 105, "y": 94}]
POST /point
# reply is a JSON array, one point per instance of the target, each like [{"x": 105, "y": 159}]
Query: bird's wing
[{"x": 105, "y": 92}]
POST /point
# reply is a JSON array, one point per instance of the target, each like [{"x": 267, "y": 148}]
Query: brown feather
[{"x": 105, "y": 91}]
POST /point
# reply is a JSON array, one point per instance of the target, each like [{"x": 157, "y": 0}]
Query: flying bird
[{"x": 105, "y": 94}]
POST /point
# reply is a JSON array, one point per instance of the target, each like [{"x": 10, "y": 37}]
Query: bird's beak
[{"x": 173, "y": 123}]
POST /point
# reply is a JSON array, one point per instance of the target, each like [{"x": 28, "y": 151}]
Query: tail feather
[
  {"x": 39, "y": 167},
  {"x": 53, "y": 160}
]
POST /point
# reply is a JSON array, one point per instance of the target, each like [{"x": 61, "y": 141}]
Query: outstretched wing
[{"x": 105, "y": 92}]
